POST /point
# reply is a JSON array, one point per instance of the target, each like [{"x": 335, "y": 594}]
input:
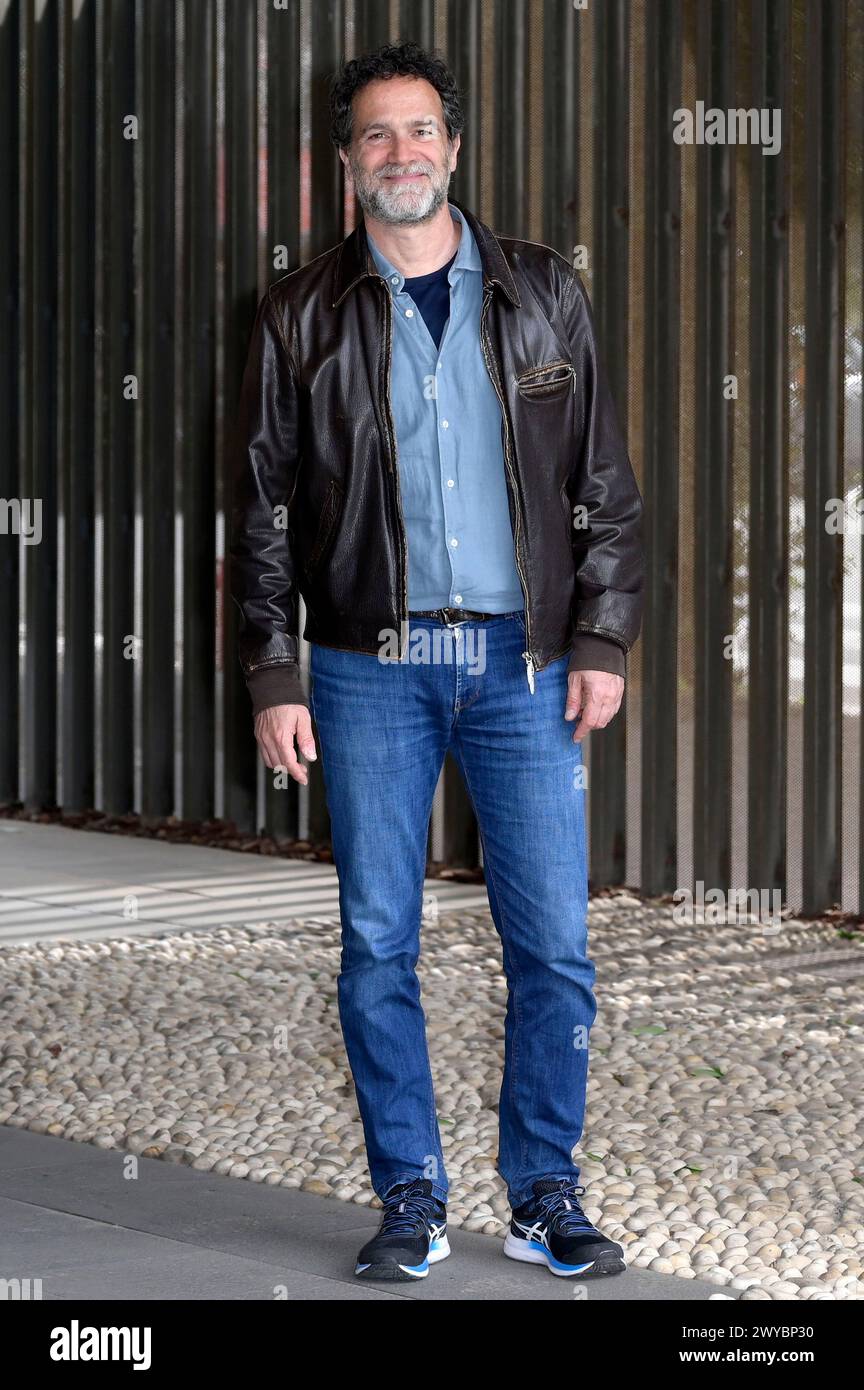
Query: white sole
[
  {"x": 439, "y": 1251},
  {"x": 531, "y": 1254}
]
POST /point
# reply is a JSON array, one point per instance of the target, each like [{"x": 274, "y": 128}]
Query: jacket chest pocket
[
  {"x": 549, "y": 382},
  {"x": 326, "y": 524}
]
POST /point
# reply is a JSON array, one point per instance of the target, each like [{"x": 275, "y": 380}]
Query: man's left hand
[{"x": 596, "y": 695}]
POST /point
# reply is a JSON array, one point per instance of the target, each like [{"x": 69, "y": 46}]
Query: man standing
[{"x": 429, "y": 454}]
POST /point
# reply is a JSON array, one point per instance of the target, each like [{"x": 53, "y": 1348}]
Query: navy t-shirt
[{"x": 431, "y": 294}]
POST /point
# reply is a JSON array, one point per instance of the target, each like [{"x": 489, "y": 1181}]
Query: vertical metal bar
[
  {"x": 609, "y": 294},
  {"x": 512, "y": 152},
  {"x": 417, "y": 21},
  {"x": 157, "y": 355},
  {"x": 116, "y": 423},
  {"x": 461, "y": 836},
  {"x": 326, "y": 29},
  {"x": 13, "y": 165},
  {"x": 561, "y": 129},
  {"x": 769, "y": 501},
  {"x": 283, "y": 134},
  {"x": 282, "y": 254},
  {"x": 464, "y": 56},
  {"x": 660, "y": 443},
  {"x": 39, "y": 295},
  {"x": 823, "y": 425},
  {"x": 712, "y": 522},
  {"x": 855, "y": 135},
  {"x": 76, "y": 268},
  {"x": 196, "y": 471},
  {"x": 239, "y": 269},
  {"x": 373, "y": 23}
]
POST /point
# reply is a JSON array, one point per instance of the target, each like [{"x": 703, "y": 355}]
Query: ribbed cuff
[
  {"x": 276, "y": 685},
  {"x": 593, "y": 653}
]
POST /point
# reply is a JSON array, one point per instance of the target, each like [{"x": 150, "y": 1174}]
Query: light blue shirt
[{"x": 449, "y": 448}]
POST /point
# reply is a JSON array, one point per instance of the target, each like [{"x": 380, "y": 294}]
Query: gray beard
[{"x": 374, "y": 204}]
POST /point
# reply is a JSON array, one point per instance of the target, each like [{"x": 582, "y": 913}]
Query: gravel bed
[{"x": 723, "y": 1136}]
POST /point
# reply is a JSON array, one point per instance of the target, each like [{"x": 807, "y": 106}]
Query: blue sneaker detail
[
  {"x": 412, "y": 1235},
  {"x": 552, "y": 1229}
]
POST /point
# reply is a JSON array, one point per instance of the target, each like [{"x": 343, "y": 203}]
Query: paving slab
[
  {"x": 83, "y": 1259},
  {"x": 69, "y": 1217},
  {"x": 74, "y": 884}
]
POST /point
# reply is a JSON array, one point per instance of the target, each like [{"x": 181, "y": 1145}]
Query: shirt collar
[{"x": 467, "y": 255}]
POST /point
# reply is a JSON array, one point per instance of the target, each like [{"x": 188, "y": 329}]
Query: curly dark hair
[{"x": 392, "y": 60}]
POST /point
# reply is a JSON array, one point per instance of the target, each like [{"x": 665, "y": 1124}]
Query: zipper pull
[{"x": 526, "y": 656}]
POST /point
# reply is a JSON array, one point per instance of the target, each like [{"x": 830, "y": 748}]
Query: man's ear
[{"x": 457, "y": 141}]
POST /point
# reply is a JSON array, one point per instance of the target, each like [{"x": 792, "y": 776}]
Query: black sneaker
[
  {"x": 552, "y": 1229},
  {"x": 412, "y": 1236}
]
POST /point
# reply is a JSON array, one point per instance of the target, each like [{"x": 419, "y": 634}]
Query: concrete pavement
[{"x": 72, "y": 1216}]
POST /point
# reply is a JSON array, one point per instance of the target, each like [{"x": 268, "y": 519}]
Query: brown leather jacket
[{"x": 316, "y": 506}]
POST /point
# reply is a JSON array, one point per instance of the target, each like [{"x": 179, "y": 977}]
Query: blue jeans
[{"x": 383, "y": 731}]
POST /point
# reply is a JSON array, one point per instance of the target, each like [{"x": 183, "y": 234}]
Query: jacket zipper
[
  {"x": 388, "y": 331},
  {"x": 527, "y": 656}
]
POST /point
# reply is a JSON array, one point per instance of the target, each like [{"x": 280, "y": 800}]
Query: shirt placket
[{"x": 447, "y": 470}]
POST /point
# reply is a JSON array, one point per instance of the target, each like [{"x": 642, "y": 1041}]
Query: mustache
[{"x": 393, "y": 173}]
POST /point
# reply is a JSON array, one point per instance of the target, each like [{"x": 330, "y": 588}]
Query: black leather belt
[{"x": 452, "y": 615}]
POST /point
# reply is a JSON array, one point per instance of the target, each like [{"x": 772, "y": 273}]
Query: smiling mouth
[{"x": 402, "y": 178}]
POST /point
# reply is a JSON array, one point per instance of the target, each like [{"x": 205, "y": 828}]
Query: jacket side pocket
[{"x": 329, "y": 516}]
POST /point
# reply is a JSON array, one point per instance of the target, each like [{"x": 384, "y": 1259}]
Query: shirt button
[
  {"x": 457, "y": 598},
  {"x": 454, "y": 541},
  {"x": 394, "y": 279},
  {"x": 409, "y": 313},
  {"x": 445, "y": 424},
  {"x": 450, "y": 482}
]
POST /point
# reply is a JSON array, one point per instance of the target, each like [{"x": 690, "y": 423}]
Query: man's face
[{"x": 400, "y": 160}]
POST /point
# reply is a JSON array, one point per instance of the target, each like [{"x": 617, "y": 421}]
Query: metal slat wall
[
  {"x": 117, "y": 215},
  {"x": 608, "y": 288},
  {"x": 768, "y": 691},
  {"x": 660, "y": 405},
  {"x": 11, "y": 66},
  {"x": 76, "y": 407},
  {"x": 195, "y": 404},
  {"x": 157, "y": 289},
  {"x": 714, "y": 426},
  {"x": 240, "y": 269},
  {"x": 38, "y": 287},
  {"x": 281, "y": 114},
  {"x": 823, "y": 435},
  {"x": 163, "y": 161}
]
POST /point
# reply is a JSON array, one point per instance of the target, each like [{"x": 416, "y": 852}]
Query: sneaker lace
[
  {"x": 563, "y": 1204},
  {"x": 403, "y": 1210}
]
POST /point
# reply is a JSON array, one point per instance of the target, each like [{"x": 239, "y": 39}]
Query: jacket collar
[{"x": 354, "y": 261}]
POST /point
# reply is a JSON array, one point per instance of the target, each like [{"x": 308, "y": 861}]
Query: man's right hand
[{"x": 276, "y": 729}]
